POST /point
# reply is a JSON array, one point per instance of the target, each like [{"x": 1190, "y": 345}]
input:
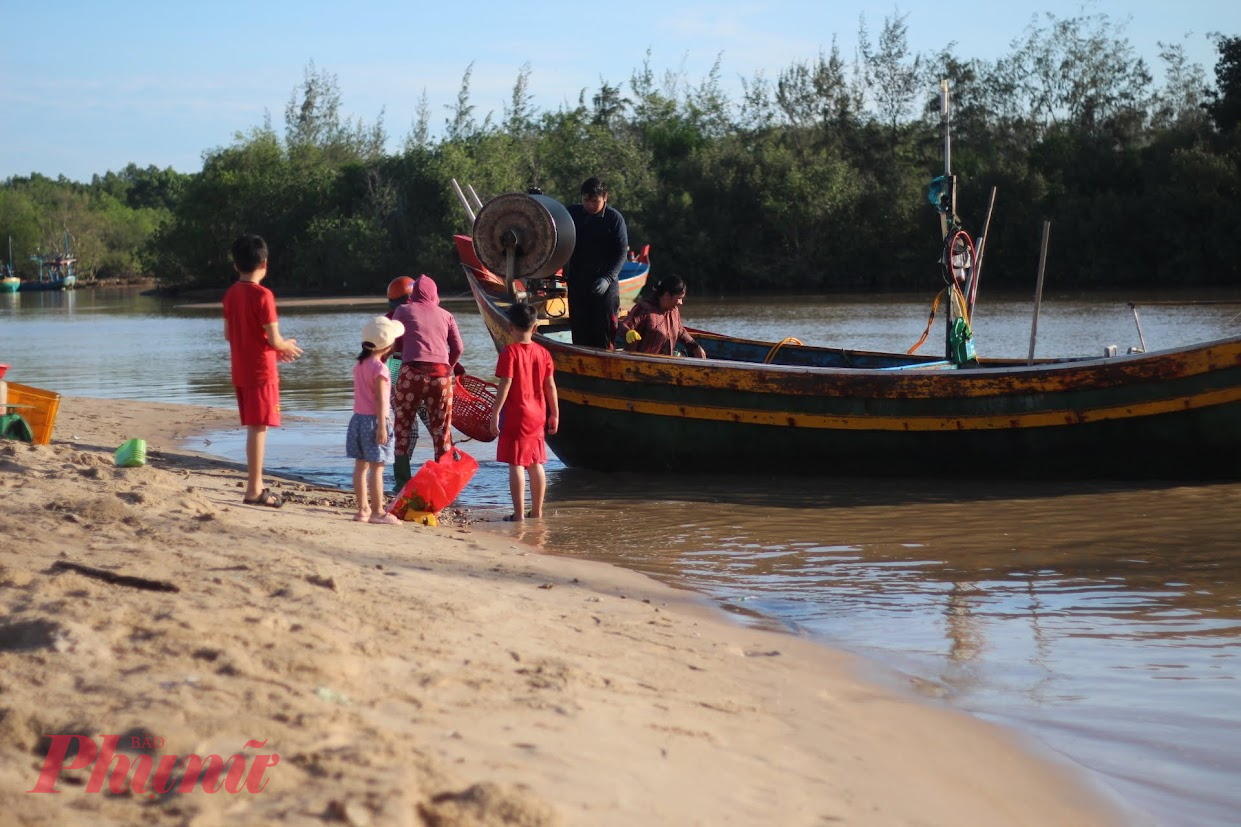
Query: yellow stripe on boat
[{"x": 905, "y": 423}]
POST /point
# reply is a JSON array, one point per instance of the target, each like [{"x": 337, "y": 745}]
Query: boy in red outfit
[
  {"x": 526, "y": 401},
  {"x": 255, "y": 346}
]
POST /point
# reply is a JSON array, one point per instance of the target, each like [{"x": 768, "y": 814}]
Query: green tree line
[{"x": 812, "y": 180}]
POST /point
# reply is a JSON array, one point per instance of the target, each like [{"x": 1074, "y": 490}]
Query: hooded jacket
[{"x": 431, "y": 333}]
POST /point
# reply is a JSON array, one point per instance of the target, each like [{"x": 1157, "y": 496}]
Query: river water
[{"x": 1101, "y": 618}]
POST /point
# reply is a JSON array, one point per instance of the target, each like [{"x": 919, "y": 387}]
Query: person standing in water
[
  {"x": 369, "y": 438},
  {"x": 526, "y": 405},
  {"x": 430, "y": 354}
]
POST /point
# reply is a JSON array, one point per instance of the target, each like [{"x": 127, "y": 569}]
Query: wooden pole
[
  {"x": 982, "y": 247},
  {"x": 474, "y": 199},
  {"x": 1138, "y": 322},
  {"x": 1038, "y": 290},
  {"x": 945, "y": 117},
  {"x": 469, "y": 212}
]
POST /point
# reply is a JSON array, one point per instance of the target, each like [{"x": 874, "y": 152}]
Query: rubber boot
[{"x": 400, "y": 472}]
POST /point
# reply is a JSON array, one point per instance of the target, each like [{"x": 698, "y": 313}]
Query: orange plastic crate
[{"x": 38, "y": 407}]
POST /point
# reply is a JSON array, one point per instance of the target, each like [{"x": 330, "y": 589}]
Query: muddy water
[{"x": 1102, "y": 618}]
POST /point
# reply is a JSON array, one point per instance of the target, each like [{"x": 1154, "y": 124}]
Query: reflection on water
[{"x": 1104, "y": 617}]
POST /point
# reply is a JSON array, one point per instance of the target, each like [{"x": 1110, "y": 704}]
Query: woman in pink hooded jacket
[{"x": 430, "y": 350}]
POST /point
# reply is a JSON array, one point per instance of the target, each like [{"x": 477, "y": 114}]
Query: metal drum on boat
[{"x": 541, "y": 227}]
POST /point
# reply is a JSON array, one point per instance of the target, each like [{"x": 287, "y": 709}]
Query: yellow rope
[
  {"x": 958, "y": 304},
  {"x": 771, "y": 354}
]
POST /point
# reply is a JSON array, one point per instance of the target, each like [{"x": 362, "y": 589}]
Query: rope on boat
[
  {"x": 930, "y": 320},
  {"x": 771, "y": 354},
  {"x": 958, "y": 301},
  {"x": 959, "y": 258}
]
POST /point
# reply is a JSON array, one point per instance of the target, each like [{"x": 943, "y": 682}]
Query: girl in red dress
[{"x": 525, "y": 406}]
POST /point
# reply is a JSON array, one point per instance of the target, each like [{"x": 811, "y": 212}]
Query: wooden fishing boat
[{"x": 783, "y": 407}]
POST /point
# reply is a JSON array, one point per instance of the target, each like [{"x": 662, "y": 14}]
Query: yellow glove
[{"x": 632, "y": 336}]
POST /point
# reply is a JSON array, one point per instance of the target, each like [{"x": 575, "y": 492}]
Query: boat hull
[
  {"x": 823, "y": 411},
  {"x": 53, "y": 284}
]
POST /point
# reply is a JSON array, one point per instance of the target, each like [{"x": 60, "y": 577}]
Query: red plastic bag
[{"x": 437, "y": 483}]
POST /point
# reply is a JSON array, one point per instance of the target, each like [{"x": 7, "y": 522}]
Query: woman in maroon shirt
[{"x": 654, "y": 324}]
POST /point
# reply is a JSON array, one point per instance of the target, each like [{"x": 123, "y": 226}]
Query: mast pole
[{"x": 945, "y": 117}]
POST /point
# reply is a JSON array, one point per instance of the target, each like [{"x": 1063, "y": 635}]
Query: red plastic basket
[{"x": 473, "y": 400}]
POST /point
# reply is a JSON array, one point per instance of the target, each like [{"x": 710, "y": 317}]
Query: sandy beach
[{"x": 430, "y": 676}]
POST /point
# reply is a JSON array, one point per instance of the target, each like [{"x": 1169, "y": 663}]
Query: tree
[
  {"x": 1079, "y": 70},
  {"x": 462, "y": 125},
  {"x": 1224, "y": 104},
  {"x": 1180, "y": 101},
  {"x": 314, "y": 128},
  {"x": 892, "y": 74},
  {"x": 419, "y": 136},
  {"x": 608, "y": 105},
  {"x": 517, "y": 116}
]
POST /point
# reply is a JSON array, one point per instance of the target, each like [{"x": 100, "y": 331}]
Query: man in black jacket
[{"x": 593, "y": 270}]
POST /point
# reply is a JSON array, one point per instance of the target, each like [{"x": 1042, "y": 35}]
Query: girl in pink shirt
[{"x": 370, "y": 436}]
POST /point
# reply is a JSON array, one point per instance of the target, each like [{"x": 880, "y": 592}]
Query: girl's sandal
[{"x": 265, "y": 498}]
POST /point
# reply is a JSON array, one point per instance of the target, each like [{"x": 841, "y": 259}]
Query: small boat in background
[
  {"x": 10, "y": 283},
  {"x": 56, "y": 271}
]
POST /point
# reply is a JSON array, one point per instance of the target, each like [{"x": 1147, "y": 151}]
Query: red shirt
[
  {"x": 525, "y": 409},
  {"x": 248, "y": 307}
]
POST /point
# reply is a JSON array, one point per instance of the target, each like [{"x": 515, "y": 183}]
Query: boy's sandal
[
  {"x": 512, "y": 518},
  {"x": 265, "y": 498}
]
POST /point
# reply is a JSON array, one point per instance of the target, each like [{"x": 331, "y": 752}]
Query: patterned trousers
[{"x": 427, "y": 386}]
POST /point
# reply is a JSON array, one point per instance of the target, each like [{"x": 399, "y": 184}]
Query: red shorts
[{"x": 259, "y": 404}]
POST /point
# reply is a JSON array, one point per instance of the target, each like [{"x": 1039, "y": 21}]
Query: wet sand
[{"x": 412, "y": 675}]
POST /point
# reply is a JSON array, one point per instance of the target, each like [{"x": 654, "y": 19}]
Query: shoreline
[
  {"x": 415, "y": 674},
  {"x": 380, "y": 304}
]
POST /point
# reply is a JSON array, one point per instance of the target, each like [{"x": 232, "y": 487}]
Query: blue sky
[{"x": 87, "y": 87}]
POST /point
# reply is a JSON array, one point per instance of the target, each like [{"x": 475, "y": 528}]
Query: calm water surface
[{"x": 1102, "y": 618}]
